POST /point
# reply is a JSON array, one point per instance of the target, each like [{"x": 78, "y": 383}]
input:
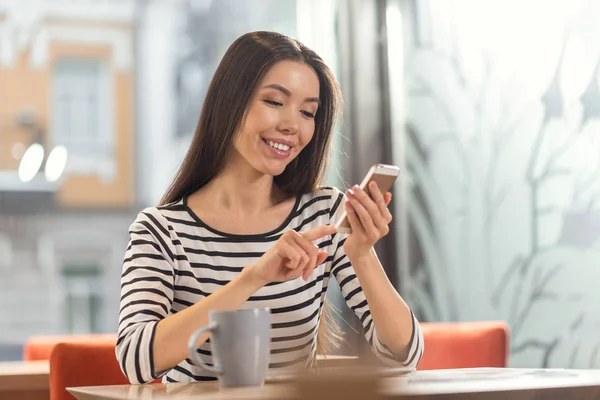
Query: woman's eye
[
  {"x": 308, "y": 114},
  {"x": 273, "y": 102}
]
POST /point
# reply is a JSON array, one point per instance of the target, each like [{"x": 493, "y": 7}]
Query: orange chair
[
  {"x": 81, "y": 363},
  {"x": 464, "y": 345},
  {"x": 40, "y": 347}
]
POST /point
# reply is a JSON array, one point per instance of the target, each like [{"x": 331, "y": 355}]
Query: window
[
  {"x": 82, "y": 298},
  {"x": 205, "y": 31},
  {"x": 81, "y": 118}
]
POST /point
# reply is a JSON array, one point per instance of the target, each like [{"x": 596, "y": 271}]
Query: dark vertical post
[{"x": 364, "y": 80}]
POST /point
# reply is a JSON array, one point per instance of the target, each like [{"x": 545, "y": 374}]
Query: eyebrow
[{"x": 288, "y": 93}]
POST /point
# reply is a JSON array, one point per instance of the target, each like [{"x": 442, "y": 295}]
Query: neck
[{"x": 243, "y": 190}]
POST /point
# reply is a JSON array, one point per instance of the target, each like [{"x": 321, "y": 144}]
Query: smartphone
[{"x": 384, "y": 176}]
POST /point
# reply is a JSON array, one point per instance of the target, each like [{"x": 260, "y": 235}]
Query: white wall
[{"x": 157, "y": 154}]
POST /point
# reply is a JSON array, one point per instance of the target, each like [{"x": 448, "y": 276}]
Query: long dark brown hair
[
  {"x": 241, "y": 70},
  {"x": 227, "y": 100}
]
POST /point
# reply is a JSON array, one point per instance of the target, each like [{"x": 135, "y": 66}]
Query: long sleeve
[
  {"x": 353, "y": 294},
  {"x": 146, "y": 294}
]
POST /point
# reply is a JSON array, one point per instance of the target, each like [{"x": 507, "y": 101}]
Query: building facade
[{"x": 66, "y": 79}]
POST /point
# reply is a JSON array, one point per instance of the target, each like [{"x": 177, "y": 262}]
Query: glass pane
[
  {"x": 123, "y": 94},
  {"x": 205, "y": 32},
  {"x": 502, "y": 147}
]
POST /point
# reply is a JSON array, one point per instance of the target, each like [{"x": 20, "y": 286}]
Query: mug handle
[{"x": 192, "y": 349}]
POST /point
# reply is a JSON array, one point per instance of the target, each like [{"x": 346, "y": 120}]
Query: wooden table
[
  {"x": 25, "y": 380},
  {"x": 476, "y": 383}
]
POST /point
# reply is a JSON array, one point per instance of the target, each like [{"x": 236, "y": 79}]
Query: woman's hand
[
  {"x": 369, "y": 218},
  {"x": 291, "y": 256}
]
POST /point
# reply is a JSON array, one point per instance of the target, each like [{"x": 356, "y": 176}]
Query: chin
[{"x": 273, "y": 170}]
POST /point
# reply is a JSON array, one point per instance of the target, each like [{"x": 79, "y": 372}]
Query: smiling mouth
[
  {"x": 278, "y": 150},
  {"x": 277, "y": 146}
]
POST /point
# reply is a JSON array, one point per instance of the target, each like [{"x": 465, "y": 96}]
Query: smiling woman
[
  {"x": 246, "y": 224},
  {"x": 257, "y": 72},
  {"x": 297, "y": 74},
  {"x": 280, "y": 120}
]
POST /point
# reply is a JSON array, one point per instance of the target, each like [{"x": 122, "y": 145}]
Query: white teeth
[{"x": 279, "y": 146}]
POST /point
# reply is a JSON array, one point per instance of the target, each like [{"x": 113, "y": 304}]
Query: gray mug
[{"x": 240, "y": 346}]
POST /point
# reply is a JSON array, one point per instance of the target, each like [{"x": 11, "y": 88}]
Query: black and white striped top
[{"x": 175, "y": 260}]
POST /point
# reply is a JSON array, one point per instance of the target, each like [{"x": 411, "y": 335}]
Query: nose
[{"x": 288, "y": 123}]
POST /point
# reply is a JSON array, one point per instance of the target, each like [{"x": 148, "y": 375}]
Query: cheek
[
  {"x": 306, "y": 133},
  {"x": 261, "y": 118},
  {"x": 246, "y": 135},
  {"x": 248, "y": 131}
]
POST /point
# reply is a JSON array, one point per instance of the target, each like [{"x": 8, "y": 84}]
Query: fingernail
[
  {"x": 350, "y": 192},
  {"x": 357, "y": 188}
]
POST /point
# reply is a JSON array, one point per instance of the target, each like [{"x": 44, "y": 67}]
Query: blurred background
[{"x": 491, "y": 108}]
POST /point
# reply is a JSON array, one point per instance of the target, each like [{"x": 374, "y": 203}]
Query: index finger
[{"x": 318, "y": 232}]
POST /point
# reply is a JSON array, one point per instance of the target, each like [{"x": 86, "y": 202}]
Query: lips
[{"x": 278, "y": 149}]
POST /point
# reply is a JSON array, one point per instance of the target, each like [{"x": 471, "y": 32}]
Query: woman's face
[{"x": 279, "y": 120}]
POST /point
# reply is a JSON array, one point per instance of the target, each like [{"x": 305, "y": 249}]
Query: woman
[{"x": 245, "y": 224}]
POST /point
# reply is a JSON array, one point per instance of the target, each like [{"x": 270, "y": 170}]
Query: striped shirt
[{"x": 175, "y": 260}]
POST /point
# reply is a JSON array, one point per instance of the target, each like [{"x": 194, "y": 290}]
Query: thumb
[
  {"x": 387, "y": 198},
  {"x": 321, "y": 256}
]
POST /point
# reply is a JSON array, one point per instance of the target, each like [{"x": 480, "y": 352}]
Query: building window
[
  {"x": 81, "y": 117},
  {"x": 82, "y": 297}
]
